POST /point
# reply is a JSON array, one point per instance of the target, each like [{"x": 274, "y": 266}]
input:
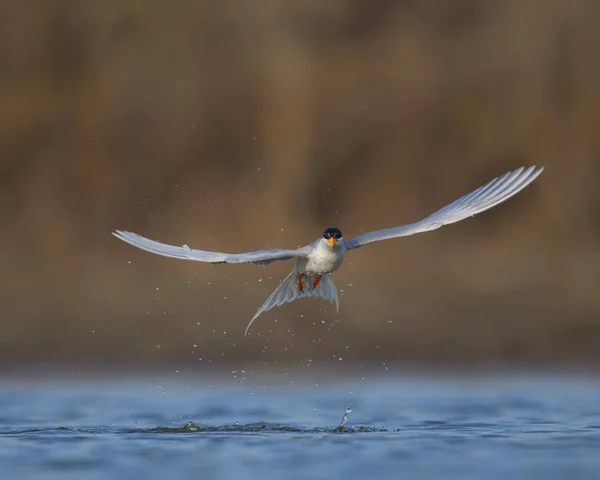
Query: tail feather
[{"x": 288, "y": 291}]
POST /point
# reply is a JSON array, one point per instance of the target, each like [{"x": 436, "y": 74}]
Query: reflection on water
[{"x": 528, "y": 426}]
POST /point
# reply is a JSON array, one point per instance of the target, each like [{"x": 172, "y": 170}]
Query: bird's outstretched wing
[
  {"x": 484, "y": 198},
  {"x": 261, "y": 257}
]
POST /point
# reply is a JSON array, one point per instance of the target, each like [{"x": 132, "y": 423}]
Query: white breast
[{"x": 323, "y": 259}]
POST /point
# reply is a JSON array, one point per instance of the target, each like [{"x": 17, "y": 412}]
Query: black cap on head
[{"x": 332, "y": 233}]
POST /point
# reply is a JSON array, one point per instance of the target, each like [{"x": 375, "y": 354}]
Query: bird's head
[{"x": 332, "y": 236}]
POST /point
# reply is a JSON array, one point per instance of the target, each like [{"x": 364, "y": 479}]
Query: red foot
[
  {"x": 300, "y": 283},
  {"x": 318, "y": 279}
]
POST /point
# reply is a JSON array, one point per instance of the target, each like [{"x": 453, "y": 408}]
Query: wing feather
[
  {"x": 261, "y": 257},
  {"x": 488, "y": 196}
]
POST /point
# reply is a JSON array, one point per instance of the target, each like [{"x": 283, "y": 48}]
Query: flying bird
[{"x": 314, "y": 263}]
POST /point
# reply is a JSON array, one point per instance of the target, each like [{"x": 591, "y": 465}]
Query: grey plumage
[{"x": 323, "y": 256}]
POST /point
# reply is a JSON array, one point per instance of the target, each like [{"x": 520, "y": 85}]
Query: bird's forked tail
[{"x": 289, "y": 290}]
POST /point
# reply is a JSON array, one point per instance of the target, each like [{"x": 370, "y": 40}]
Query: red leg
[
  {"x": 300, "y": 283},
  {"x": 317, "y": 280}
]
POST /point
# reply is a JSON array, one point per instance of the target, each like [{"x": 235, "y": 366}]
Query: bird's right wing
[
  {"x": 491, "y": 194},
  {"x": 261, "y": 257}
]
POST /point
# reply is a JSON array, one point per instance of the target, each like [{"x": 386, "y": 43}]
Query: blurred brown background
[{"x": 241, "y": 125}]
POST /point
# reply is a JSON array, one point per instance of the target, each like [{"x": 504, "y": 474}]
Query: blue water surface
[{"x": 192, "y": 425}]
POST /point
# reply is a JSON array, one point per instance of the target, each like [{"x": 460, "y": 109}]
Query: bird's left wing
[
  {"x": 261, "y": 257},
  {"x": 491, "y": 194}
]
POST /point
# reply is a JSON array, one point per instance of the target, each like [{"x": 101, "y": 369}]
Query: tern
[{"x": 314, "y": 263}]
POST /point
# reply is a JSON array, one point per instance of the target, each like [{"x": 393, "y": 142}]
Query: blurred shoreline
[{"x": 229, "y": 127}]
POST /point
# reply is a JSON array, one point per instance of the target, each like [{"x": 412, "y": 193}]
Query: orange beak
[{"x": 332, "y": 241}]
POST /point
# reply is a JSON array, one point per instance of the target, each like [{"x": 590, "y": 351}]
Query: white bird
[{"x": 314, "y": 263}]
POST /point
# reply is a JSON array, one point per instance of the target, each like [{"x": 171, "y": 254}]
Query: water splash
[{"x": 345, "y": 417}]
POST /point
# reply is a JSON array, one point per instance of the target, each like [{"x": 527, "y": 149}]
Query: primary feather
[
  {"x": 489, "y": 195},
  {"x": 261, "y": 257}
]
